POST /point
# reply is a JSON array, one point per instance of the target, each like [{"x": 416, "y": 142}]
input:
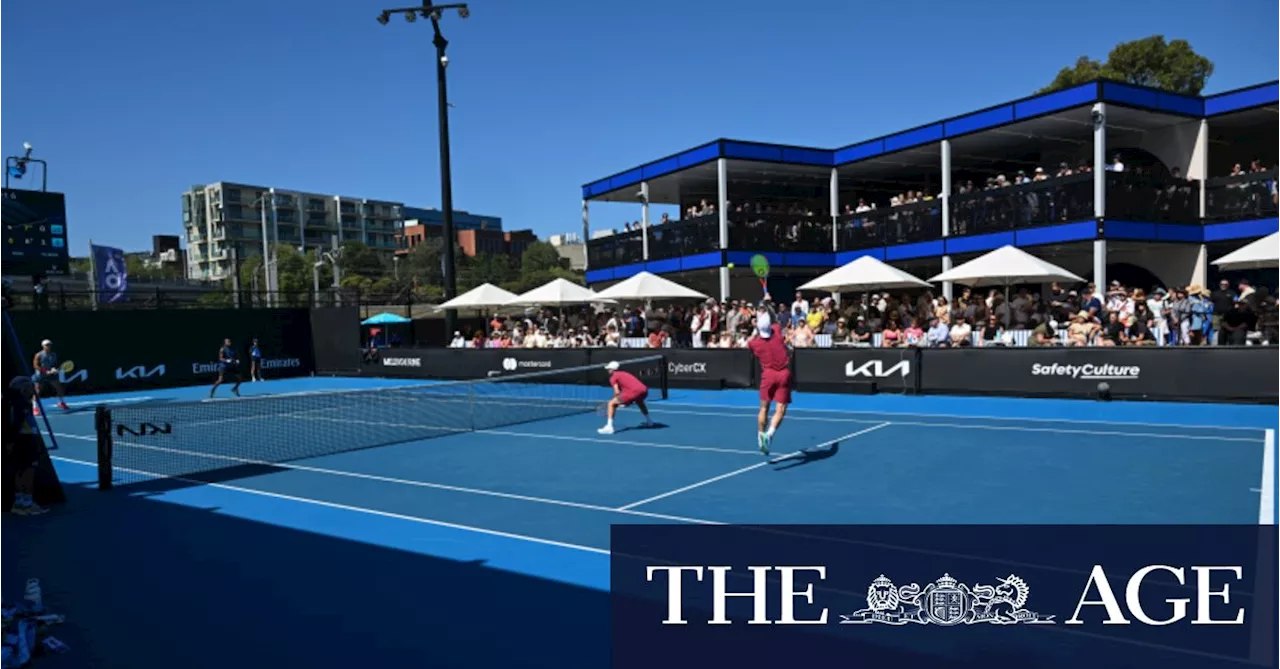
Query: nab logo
[
  {"x": 875, "y": 369},
  {"x": 139, "y": 372},
  {"x": 144, "y": 430}
]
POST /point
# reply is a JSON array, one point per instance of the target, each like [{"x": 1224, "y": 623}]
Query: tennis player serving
[
  {"x": 775, "y": 377},
  {"x": 227, "y": 364},
  {"x": 627, "y": 390},
  {"x": 46, "y": 367}
]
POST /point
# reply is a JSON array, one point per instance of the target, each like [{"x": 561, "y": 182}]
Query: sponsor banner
[
  {"x": 694, "y": 368},
  {"x": 1193, "y": 373},
  {"x": 135, "y": 349},
  {"x": 447, "y": 363},
  {"x": 839, "y": 369},
  {"x": 943, "y": 596}
]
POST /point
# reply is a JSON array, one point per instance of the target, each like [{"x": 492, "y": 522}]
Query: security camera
[
  {"x": 640, "y": 196},
  {"x": 444, "y": 60},
  {"x": 26, "y": 146},
  {"x": 383, "y": 18},
  {"x": 436, "y": 15},
  {"x": 464, "y": 12},
  {"x": 1097, "y": 117}
]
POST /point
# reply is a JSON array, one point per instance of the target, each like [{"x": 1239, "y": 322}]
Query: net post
[
  {"x": 102, "y": 425},
  {"x": 662, "y": 374}
]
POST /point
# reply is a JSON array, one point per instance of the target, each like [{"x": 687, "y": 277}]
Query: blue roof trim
[
  {"x": 1260, "y": 227},
  {"x": 1039, "y": 105},
  {"x": 1152, "y": 99},
  {"x": 1245, "y": 98}
]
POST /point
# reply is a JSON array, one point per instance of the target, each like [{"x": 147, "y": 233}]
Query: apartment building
[
  {"x": 223, "y": 220},
  {"x": 473, "y": 241},
  {"x": 462, "y": 220}
]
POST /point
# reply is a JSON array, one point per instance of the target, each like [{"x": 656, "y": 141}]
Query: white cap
[
  {"x": 764, "y": 324},
  {"x": 612, "y": 366},
  {"x": 46, "y": 343}
]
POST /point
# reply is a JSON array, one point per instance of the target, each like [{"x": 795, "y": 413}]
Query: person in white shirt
[
  {"x": 1116, "y": 165},
  {"x": 458, "y": 341},
  {"x": 1159, "y": 318},
  {"x": 802, "y": 303},
  {"x": 960, "y": 333}
]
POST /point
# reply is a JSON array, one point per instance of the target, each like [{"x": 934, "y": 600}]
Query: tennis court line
[
  {"x": 398, "y": 481},
  {"x": 357, "y": 509},
  {"x": 1267, "y": 498},
  {"x": 601, "y": 551},
  {"x": 893, "y": 414},
  {"x": 122, "y": 400},
  {"x": 744, "y": 470},
  {"x": 748, "y": 412}
]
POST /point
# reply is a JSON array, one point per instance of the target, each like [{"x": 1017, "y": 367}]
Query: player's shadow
[
  {"x": 807, "y": 457},
  {"x": 643, "y": 428}
]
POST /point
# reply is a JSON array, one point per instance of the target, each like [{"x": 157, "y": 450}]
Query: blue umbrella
[{"x": 384, "y": 319}]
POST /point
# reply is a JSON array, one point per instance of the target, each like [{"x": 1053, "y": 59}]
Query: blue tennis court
[{"x": 534, "y": 502}]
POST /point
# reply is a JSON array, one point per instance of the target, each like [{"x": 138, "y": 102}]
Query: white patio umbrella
[
  {"x": 645, "y": 286},
  {"x": 1005, "y": 266},
  {"x": 1261, "y": 254},
  {"x": 484, "y": 296},
  {"x": 865, "y": 273},
  {"x": 558, "y": 293}
]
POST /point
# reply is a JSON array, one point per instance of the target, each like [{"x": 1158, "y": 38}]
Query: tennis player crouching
[{"x": 627, "y": 390}]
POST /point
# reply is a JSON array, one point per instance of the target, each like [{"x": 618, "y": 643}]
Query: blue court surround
[{"x": 425, "y": 553}]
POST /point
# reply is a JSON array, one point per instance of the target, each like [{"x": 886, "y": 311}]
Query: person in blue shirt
[
  {"x": 255, "y": 362},
  {"x": 45, "y": 363},
  {"x": 228, "y": 364}
]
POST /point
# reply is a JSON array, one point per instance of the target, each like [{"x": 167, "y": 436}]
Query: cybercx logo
[
  {"x": 876, "y": 369},
  {"x": 947, "y": 601}
]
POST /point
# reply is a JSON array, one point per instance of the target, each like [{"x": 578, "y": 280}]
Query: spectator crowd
[{"x": 1119, "y": 316}]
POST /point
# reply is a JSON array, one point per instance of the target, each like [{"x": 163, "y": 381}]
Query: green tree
[
  {"x": 1170, "y": 66},
  {"x": 360, "y": 260},
  {"x": 486, "y": 268},
  {"x": 539, "y": 257}
]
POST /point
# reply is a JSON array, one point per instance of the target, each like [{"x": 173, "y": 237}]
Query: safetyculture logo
[{"x": 1107, "y": 372}]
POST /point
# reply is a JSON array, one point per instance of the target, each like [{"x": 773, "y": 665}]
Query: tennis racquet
[
  {"x": 760, "y": 265},
  {"x": 67, "y": 367}
]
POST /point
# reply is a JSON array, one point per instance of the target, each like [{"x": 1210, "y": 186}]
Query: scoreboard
[{"x": 35, "y": 232}]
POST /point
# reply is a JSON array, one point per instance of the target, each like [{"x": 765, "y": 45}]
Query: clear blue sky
[{"x": 134, "y": 101}]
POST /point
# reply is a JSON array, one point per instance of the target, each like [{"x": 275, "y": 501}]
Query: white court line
[
  {"x": 892, "y": 414},
  {"x": 406, "y": 482},
  {"x": 736, "y": 472},
  {"x": 357, "y": 509},
  {"x": 1016, "y": 428},
  {"x": 122, "y": 400},
  {"x": 601, "y": 551},
  {"x": 1267, "y": 500}
]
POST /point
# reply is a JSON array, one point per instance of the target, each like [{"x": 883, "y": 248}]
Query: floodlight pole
[{"x": 435, "y": 13}]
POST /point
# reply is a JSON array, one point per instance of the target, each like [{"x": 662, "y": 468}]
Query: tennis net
[{"x": 223, "y": 439}]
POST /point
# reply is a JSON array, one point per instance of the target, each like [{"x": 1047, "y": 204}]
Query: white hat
[
  {"x": 764, "y": 324},
  {"x": 46, "y": 343},
  {"x": 612, "y": 366}
]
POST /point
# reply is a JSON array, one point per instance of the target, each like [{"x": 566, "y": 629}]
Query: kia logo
[{"x": 875, "y": 369}]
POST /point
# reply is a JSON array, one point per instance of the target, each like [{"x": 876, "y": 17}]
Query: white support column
[
  {"x": 722, "y": 207},
  {"x": 1099, "y": 115},
  {"x": 644, "y": 218},
  {"x": 586, "y": 235},
  {"x": 835, "y": 210},
  {"x": 1200, "y": 170},
  {"x": 947, "y": 287},
  {"x": 722, "y": 200}
]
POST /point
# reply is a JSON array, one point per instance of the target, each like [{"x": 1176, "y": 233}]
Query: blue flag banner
[
  {"x": 111, "y": 279},
  {"x": 943, "y": 596}
]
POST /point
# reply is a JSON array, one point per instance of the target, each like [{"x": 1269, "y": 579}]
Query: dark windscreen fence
[{"x": 222, "y": 439}]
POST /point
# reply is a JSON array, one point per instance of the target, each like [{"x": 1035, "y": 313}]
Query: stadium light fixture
[{"x": 435, "y": 13}]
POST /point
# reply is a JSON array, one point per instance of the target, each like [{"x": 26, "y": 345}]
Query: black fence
[
  {"x": 1038, "y": 203},
  {"x": 129, "y": 350},
  {"x": 781, "y": 232},
  {"x": 617, "y": 249},
  {"x": 915, "y": 222},
  {"x": 1134, "y": 196},
  {"x": 684, "y": 237},
  {"x": 57, "y": 298},
  {"x": 1220, "y": 374},
  {"x": 1241, "y": 198}
]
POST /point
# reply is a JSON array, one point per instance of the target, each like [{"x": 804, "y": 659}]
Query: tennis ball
[{"x": 730, "y": 265}]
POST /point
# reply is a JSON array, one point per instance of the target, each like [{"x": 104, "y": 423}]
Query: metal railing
[
  {"x": 781, "y": 232},
  {"x": 1038, "y": 203},
  {"x": 1134, "y": 196},
  {"x": 915, "y": 222},
  {"x": 1241, "y": 198}
]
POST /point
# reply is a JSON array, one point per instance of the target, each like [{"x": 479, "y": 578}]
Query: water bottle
[{"x": 34, "y": 597}]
